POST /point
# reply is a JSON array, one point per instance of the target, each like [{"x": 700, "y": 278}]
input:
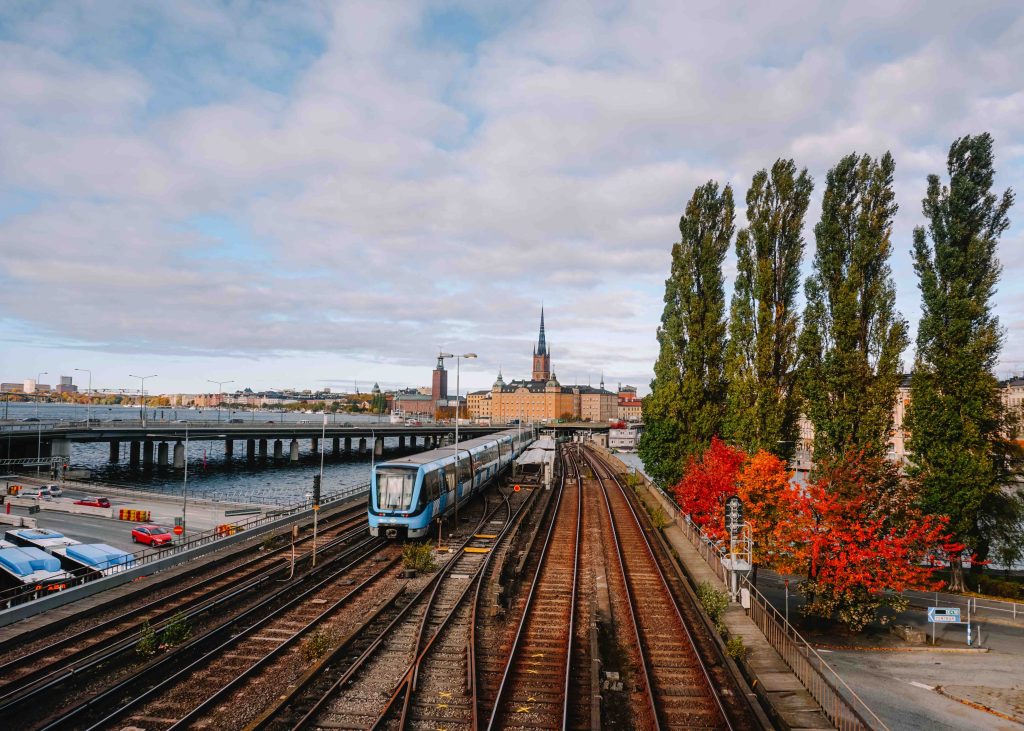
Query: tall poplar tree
[
  {"x": 762, "y": 403},
  {"x": 956, "y": 417},
  {"x": 852, "y": 338},
  {"x": 687, "y": 400}
]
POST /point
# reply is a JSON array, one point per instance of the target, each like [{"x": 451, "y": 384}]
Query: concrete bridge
[{"x": 163, "y": 444}]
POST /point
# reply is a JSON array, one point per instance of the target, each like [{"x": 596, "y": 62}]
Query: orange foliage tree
[
  {"x": 763, "y": 485},
  {"x": 858, "y": 533},
  {"x": 706, "y": 483}
]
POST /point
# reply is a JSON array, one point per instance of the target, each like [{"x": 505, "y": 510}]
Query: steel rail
[
  {"x": 369, "y": 652},
  {"x": 370, "y": 544},
  {"x": 668, "y": 592},
  {"x": 86, "y": 641},
  {"x": 407, "y": 687},
  {"x": 47, "y": 677},
  {"x": 503, "y": 687}
]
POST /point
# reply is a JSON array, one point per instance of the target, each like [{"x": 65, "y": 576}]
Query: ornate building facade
[{"x": 542, "y": 398}]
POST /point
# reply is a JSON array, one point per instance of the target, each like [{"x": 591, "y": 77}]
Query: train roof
[
  {"x": 97, "y": 555},
  {"x": 25, "y": 562},
  {"x": 445, "y": 453}
]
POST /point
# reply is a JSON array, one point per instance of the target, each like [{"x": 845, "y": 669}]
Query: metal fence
[
  {"x": 145, "y": 556},
  {"x": 837, "y": 700}
]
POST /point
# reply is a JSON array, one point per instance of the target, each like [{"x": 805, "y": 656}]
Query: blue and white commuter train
[{"x": 407, "y": 495}]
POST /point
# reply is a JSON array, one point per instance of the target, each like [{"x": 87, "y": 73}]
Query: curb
[
  {"x": 926, "y": 648},
  {"x": 977, "y": 706}
]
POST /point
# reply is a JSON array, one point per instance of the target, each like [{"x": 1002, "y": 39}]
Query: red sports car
[
  {"x": 151, "y": 535},
  {"x": 94, "y": 502}
]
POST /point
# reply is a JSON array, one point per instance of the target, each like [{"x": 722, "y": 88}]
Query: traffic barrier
[{"x": 136, "y": 516}]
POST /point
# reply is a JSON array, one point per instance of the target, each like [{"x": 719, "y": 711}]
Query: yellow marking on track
[
  {"x": 486, "y": 535},
  {"x": 537, "y": 654},
  {"x": 444, "y": 694},
  {"x": 533, "y": 672},
  {"x": 473, "y": 549},
  {"x": 441, "y": 705},
  {"x": 523, "y": 709}
]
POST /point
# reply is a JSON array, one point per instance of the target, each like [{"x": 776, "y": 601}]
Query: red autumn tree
[
  {"x": 763, "y": 486},
  {"x": 857, "y": 532},
  {"x": 706, "y": 484}
]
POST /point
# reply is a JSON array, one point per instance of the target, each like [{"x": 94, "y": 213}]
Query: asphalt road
[{"x": 902, "y": 686}]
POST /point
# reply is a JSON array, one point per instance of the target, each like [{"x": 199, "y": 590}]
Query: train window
[
  {"x": 431, "y": 485},
  {"x": 465, "y": 470},
  {"x": 449, "y": 479},
  {"x": 394, "y": 488}
]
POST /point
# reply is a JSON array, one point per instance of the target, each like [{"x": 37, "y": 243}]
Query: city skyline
[{"x": 277, "y": 195}]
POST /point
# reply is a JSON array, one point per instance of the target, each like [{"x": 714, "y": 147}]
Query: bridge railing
[
  {"x": 145, "y": 556},
  {"x": 837, "y": 699}
]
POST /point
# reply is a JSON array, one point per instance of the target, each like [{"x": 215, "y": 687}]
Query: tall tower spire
[
  {"x": 541, "y": 354},
  {"x": 542, "y": 345}
]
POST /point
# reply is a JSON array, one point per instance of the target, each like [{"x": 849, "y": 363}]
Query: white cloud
[{"x": 404, "y": 194}]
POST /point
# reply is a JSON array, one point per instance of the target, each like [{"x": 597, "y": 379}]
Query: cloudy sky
[{"x": 308, "y": 193}]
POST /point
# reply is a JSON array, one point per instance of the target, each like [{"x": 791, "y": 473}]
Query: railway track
[
  {"x": 671, "y": 677},
  {"x": 438, "y": 689},
  {"x": 534, "y": 691},
  {"x": 22, "y": 656},
  {"x": 375, "y": 689},
  {"x": 40, "y": 673}
]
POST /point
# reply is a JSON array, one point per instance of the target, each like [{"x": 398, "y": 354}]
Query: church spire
[{"x": 542, "y": 346}]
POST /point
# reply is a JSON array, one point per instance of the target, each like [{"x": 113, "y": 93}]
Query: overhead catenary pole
[
  {"x": 184, "y": 490},
  {"x": 458, "y": 359},
  {"x": 39, "y": 424}
]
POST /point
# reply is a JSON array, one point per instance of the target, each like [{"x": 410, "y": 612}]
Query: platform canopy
[{"x": 536, "y": 456}]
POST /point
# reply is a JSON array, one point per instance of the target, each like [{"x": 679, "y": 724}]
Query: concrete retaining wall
[{"x": 18, "y": 521}]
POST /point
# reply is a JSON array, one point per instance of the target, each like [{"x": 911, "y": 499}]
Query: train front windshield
[{"x": 394, "y": 489}]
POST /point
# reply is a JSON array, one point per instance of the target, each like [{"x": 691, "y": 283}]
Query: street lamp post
[
  {"x": 458, "y": 359},
  {"x": 39, "y": 424},
  {"x": 142, "y": 389},
  {"x": 88, "y": 404},
  {"x": 220, "y": 392}
]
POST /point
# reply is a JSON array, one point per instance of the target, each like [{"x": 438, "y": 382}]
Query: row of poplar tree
[{"x": 748, "y": 377}]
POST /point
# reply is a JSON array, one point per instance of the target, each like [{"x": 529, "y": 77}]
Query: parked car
[
  {"x": 94, "y": 502},
  {"x": 55, "y": 490},
  {"x": 151, "y": 535},
  {"x": 269, "y": 421},
  {"x": 236, "y": 421},
  {"x": 39, "y": 493},
  {"x": 30, "y": 418}
]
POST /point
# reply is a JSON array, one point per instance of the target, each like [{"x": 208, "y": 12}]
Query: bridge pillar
[
  {"x": 362, "y": 445},
  {"x": 336, "y": 446},
  {"x": 401, "y": 442},
  {"x": 147, "y": 453},
  {"x": 229, "y": 449},
  {"x": 314, "y": 443},
  {"x": 115, "y": 451},
  {"x": 412, "y": 441},
  {"x": 179, "y": 456},
  {"x": 161, "y": 454},
  {"x": 378, "y": 447},
  {"x": 293, "y": 455},
  {"x": 263, "y": 449},
  {"x": 348, "y": 445},
  {"x": 134, "y": 448},
  {"x": 250, "y": 450},
  {"x": 278, "y": 449}
]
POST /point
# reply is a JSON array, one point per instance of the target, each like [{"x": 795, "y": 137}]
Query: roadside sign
[
  {"x": 178, "y": 530},
  {"x": 944, "y": 615}
]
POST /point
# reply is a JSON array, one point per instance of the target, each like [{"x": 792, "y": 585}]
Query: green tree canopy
[
  {"x": 762, "y": 403},
  {"x": 956, "y": 417},
  {"x": 852, "y": 338},
  {"x": 686, "y": 404}
]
